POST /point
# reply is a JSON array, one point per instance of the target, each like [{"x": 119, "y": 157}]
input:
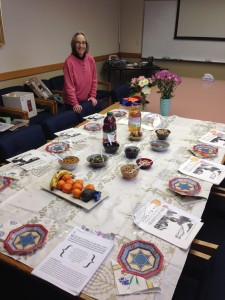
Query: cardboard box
[
  {"x": 39, "y": 88},
  {"x": 21, "y": 100}
]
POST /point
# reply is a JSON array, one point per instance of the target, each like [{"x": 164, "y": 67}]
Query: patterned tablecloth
[{"x": 25, "y": 202}]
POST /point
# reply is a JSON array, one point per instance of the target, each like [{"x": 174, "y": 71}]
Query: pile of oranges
[{"x": 68, "y": 185}]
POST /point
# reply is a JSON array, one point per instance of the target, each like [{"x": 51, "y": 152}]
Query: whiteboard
[{"x": 159, "y": 42}]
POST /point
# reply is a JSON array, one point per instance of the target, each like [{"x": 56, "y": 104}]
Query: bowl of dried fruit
[
  {"x": 131, "y": 151},
  {"x": 129, "y": 171},
  {"x": 162, "y": 133},
  {"x": 69, "y": 162},
  {"x": 159, "y": 146},
  {"x": 97, "y": 160}
]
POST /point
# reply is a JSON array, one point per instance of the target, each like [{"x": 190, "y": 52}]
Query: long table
[{"x": 26, "y": 202}]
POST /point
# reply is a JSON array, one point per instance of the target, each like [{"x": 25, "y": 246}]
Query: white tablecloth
[{"x": 25, "y": 202}]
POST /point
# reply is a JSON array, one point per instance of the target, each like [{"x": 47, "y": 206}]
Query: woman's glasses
[{"x": 81, "y": 43}]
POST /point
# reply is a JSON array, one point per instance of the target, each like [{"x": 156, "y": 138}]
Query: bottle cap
[{"x": 109, "y": 113}]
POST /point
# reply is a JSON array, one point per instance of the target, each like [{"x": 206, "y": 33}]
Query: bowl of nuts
[
  {"x": 97, "y": 160},
  {"x": 69, "y": 162},
  {"x": 129, "y": 171},
  {"x": 144, "y": 163},
  {"x": 162, "y": 133}
]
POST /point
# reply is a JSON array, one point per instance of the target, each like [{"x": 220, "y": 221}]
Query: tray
[
  {"x": 4, "y": 182},
  {"x": 185, "y": 186},
  {"x": 57, "y": 147},
  {"x": 68, "y": 197},
  {"x": 205, "y": 150},
  {"x": 25, "y": 239},
  {"x": 92, "y": 127},
  {"x": 140, "y": 258}
]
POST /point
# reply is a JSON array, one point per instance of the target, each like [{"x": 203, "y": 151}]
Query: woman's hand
[
  {"x": 77, "y": 108},
  {"x": 93, "y": 101}
]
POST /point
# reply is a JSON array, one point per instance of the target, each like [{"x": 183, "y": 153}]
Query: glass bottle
[
  {"x": 109, "y": 128},
  {"x": 134, "y": 119}
]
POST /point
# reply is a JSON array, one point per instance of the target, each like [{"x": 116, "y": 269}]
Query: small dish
[
  {"x": 111, "y": 148},
  {"x": 145, "y": 163},
  {"x": 135, "y": 136},
  {"x": 97, "y": 160},
  {"x": 162, "y": 133},
  {"x": 129, "y": 171},
  {"x": 69, "y": 162},
  {"x": 57, "y": 147},
  {"x": 92, "y": 127},
  {"x": 159, "y": 146},
  {"x": 131, "y": 151},
  {"x": 185, "y": 186}
]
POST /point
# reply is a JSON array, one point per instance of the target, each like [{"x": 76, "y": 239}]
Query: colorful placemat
[
  {"x": 185, "y": 186},
  {"x": 140, "y": 258},
  {"x": 25, "y": 239},
  {"x": 4, "y": 182},
  {"x": 92, "y": 127},
  {"x": 205, "y": 150},
  {"x": 57, "y": 147}
]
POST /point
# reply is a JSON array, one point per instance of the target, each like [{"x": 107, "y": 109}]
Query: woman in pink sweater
[{"x": 80, "y": 78}]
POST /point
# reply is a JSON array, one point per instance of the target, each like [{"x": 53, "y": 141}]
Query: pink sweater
[{"x": 80, "y": 79}]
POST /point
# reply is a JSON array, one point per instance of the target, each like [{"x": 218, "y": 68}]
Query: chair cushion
[
  {"x": 62, "y": 121},
  {"x": 21, "y": 140}
]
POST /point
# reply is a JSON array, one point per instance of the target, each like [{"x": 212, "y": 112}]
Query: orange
[
  {"x": 77, "y": 185},
  {"x": 89, "y": 187},
  {"x": 60, "y": 184},
  {"x": 80, "y": 181},
  {"x": 76, "y": 193},
  {"x": 66, "y": 176},
  {"x": 71, "y": 181},
  {"x": 67, "y": 188}
]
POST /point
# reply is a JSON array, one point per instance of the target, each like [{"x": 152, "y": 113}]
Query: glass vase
[{"x": 165, "y": 107}]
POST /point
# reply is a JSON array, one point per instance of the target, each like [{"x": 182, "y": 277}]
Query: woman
[{"x": 80, "y": 78}]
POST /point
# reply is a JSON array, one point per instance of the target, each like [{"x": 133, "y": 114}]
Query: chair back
[
  {"x": 59, "y": 122},
  {"x": 120, "y": 92},
  {"x": 21, "y": 140}
]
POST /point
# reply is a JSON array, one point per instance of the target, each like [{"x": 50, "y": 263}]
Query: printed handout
[
  {"x": 74, "y": 261},
  {"x": 203, "y": 169},
  {"x": 167, "y": 222},
  {"x": 214, "y": 137}
]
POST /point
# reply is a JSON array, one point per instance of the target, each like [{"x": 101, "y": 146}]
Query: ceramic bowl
[
  {"x": 159, "y": 146},
  {"x": 69, "y": 162},
  {"x": 111, "y": 148},
  {"x": 145, "y": 163},
  {"x": 162, "y": 133},
  {"x": 135, "y": 136},
  {"x": 128, "y": 171},
  {"x": 131, "y": 151},
  {"x": 97, "y": 161}
]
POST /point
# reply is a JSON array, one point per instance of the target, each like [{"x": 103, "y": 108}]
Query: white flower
[{"x": 146, "y": 90}]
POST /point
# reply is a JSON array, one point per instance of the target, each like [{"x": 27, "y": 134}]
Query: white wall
[{"x": 38, "y": 33}]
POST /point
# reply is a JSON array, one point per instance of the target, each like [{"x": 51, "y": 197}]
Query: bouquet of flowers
[
  {"x": 166, "y": 83},
  {"x": 141, "y": 86}
]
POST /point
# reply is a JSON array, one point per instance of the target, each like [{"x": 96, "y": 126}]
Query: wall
[{"x": 38, "y": 33}]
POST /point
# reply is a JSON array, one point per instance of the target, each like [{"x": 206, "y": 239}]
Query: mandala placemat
[
  {"x": 140, "y": 258},
  {"x": 205, "y": 150},
  {"x": 25, "y": 239},
  {"x": 185, "y": 186},
  {"x": 57, "y": 147},
  {"x": 92, "y": 127}
]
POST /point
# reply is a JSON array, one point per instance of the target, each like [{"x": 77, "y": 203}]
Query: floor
[{"x": 194, "y": 99}]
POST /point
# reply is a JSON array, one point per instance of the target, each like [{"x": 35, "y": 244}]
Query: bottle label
[
  {"x": 109, "y": 136},
  {"x": 134, "y": 123}
]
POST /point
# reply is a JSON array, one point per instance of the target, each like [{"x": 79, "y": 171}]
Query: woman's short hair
[{"x": 73, "y": 42}]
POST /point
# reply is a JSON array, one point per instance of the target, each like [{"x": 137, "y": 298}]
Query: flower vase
[
  {"x": 165, "y": 106},
  {"x": 143, "y": 102}
]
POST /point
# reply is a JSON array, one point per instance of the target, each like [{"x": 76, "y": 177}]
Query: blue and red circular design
[
  {"x": 205, "y": 150},
  {"x": 4, "y": 182},
  {"x": 140, "y": 258},
  {"x": 57, "y": 147},
  {"x": 185, "y": 186},
  {"x": 25, "y": 239}
]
